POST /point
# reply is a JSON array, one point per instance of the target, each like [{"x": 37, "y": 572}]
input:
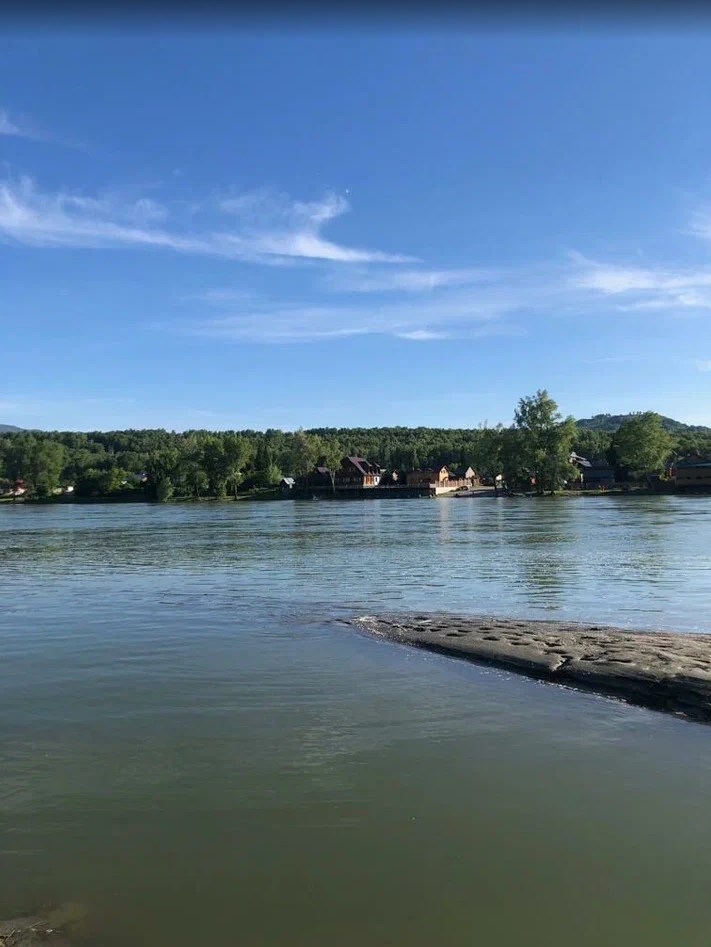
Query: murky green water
[{"x": 196, "y": 748}]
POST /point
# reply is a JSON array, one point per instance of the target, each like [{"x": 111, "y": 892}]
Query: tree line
[{"x": 533, "y": 452}]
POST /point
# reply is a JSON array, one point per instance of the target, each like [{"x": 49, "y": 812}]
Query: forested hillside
[
  {"x": 202, "y": 463},
  {"x": 611, "y": 422}
]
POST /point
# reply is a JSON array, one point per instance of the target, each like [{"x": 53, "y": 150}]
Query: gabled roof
[
  {"x": 428, "y": 470},
  {"x": 460, "y": 470},
  {"x": 362, "y": 465},
  {"x": 324, "y": 472}
]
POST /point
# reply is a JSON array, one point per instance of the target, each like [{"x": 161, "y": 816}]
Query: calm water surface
[{"x": 194, "y": 745}]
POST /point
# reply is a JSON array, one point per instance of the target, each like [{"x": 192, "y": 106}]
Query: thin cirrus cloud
[
  {"x": 284, "y": 232},
  {"x": 405, "y": 299},
  {"x": 11, "y": 128},
  {"x": 679, "y": 288},
  {"x": 422, "y": 305},
  {"x": 408, "y": 280},
  {"x": 448, "y": 315},
  {"x": 8, "y": 127}
]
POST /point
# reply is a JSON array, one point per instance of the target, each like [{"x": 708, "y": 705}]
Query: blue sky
[{"x": 233, "y": 229}]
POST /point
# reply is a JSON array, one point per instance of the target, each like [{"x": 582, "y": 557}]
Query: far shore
[
  {"x": 274, "y": 494},
  {"x": 665, "y": 671}
]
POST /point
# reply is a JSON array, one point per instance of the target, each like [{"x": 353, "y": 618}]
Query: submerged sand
[
  {"x": 669, "y": 671},
  {"x": 51, "y": 928}
]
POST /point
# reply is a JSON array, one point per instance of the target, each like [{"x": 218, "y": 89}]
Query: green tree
[
  {"x": 88, "y": 483},
  {"x": 215, "y": 465},
  {"x": 236, "y": 454},
  {"x": 198, "y": 481},
  {"x": 591, "y": 444},
  {"x": 641, "y": 445},
  {"x": 38, "y": 461},
  {"x": 113, "y": 480},
  {"x": 486, "y": 457},
  {"x": 47, "y": 465},
  {"x": 305, "y": 451},
  {"x": 163, "y": 489},
  {"x": 545, "y": 440},
  {"x": 514, "y": 470},
  {"x": 162, "y": 469},
  {"x": 268, "y": 476}
]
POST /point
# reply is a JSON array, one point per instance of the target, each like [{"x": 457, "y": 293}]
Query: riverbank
[
  {"x": 664, "y": 671},
  {"x": 53, "y": 928},
  {"x": 257, "y": 493}
]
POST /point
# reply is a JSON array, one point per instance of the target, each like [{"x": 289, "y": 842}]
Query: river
[{"x": 196, "y": 748}]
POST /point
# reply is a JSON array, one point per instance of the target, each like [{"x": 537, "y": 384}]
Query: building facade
[{"x": 692, "y": 475}]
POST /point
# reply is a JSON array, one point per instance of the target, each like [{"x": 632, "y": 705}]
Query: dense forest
[
  {"x": 610, "y": 423},
  {"x": 160, "y": 464}
]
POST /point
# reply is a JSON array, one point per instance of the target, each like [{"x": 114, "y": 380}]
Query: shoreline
[
  {"x": 658, "y": 670},
  {"x": 269, "y": 495}
]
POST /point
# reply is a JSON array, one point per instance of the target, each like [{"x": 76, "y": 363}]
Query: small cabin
[
  {"x": 466, "y": 475},
  {"x": 692, "y": 474},
  {"x": 594, "y": 473},
  {"x": 436, "y": 476},
  {"x": 320, "y": 478}
]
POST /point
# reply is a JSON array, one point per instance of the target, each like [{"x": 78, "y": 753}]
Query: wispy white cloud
[
  {"x": 611, "y": 359},
  {"x": 644, "y": 288},
  {"x": 34, "y": 218},
  {"x": 424, "y": 305},
  {"x": 703, "y": 364},
  {"x": 449, "y": 315},
  {"x": 280, "y": 227},
  {"x": 700, "y": 223},
  {"x": 409, "y": 280},
  {"x": 8, "y": 127},
  {"x": 223, "y": 296},
  {"x": 405, "y": 299},
  {"x": 14, "y": 127},
  {"x": 423, "y": 335}
]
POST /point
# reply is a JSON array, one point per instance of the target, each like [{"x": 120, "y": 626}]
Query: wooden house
[
  {"x": 436, "y": 476},
  {"x": 465, "y": 474},
  {"x": 692, "y": 475},
  {"x": 286, "y": 485},
  {"x": 594, "y": 473},
  {"x": 357, "y": 472},
  {"x": 320, "y": 478}
]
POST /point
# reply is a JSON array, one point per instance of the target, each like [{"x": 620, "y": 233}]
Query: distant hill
[
  {"x": 610, "y": 423},
  {"x": 7, "y": 428}
]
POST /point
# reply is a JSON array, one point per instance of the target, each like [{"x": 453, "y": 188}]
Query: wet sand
[
  {"x": 30, "y": 931},
  {"x": 667, "y": 671}
]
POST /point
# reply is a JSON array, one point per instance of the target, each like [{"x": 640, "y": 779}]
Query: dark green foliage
[
  {"x": 543, "y": 444},
  {"x": 160, "y": 464},
  {"x": 610, "y": 423},
  {"x": 641, "y": 445}
]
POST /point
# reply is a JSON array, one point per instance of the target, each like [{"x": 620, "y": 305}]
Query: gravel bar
[{"x": 668, "y": 671}]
